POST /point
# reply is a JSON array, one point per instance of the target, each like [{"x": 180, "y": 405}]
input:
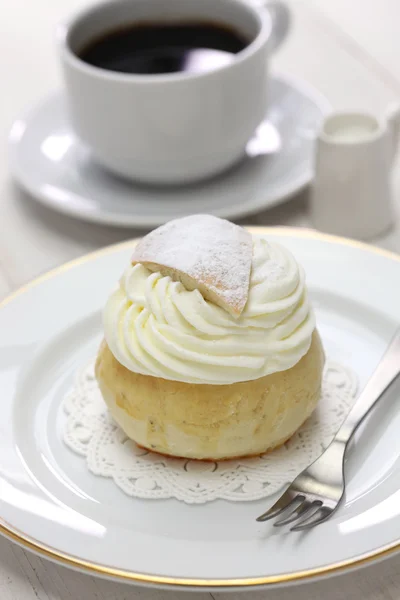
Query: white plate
[
  {"x": 51, "y": 504},
  {"x": 50, "y": 163}
]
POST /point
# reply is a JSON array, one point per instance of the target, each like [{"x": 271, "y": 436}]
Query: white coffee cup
[{"x": 178, "y": 127}]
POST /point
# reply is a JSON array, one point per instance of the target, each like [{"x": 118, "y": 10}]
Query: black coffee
[{"x": 160, "y": 48}]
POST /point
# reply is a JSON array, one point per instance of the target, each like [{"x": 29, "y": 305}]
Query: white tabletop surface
[{"x": 350, "y": 52}]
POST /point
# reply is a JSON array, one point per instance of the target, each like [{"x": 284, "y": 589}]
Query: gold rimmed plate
[{"x": 52, "y": 505}]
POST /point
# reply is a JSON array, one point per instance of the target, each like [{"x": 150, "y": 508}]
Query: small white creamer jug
[{"x": 352, "y": 191}]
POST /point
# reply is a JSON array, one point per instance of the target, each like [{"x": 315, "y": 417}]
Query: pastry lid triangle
[{"x": 204, "y": 253}]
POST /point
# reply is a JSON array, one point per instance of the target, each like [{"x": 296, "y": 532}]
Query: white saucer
[{"x": 51, "y": 164}]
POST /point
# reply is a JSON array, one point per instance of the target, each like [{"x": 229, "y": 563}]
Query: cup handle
[{"x": 280, "y": 17}]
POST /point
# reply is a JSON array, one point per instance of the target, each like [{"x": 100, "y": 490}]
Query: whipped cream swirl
[{"x": 156, "y": 327}]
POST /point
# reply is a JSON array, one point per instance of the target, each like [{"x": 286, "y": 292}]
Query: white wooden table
[{"x": 350, "y": 51}]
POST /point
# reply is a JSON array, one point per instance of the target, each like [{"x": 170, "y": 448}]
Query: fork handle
[{"x": 384, "y": 375}]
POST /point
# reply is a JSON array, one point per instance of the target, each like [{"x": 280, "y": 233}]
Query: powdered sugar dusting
[{"x": 215, "y": 254}]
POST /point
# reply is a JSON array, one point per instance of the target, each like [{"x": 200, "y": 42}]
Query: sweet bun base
[{"x": 212, "y": 422}]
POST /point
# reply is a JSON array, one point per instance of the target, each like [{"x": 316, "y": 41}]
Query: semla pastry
[{"x": 210, "y": 348}]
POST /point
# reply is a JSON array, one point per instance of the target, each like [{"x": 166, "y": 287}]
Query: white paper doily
[{"x": 91, "y": 432}]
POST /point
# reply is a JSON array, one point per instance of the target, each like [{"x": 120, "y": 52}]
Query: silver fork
[{"x": 316, "y": 493}]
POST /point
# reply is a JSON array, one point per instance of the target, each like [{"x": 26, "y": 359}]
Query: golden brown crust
[
  {"x": 224, "y": 458},
  {"x": 211, "y": 421}
]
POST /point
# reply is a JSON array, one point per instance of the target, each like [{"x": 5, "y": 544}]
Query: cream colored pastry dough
[
  {"x": 211, "y": 421},
  {"x": 210, "y": 349}
]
